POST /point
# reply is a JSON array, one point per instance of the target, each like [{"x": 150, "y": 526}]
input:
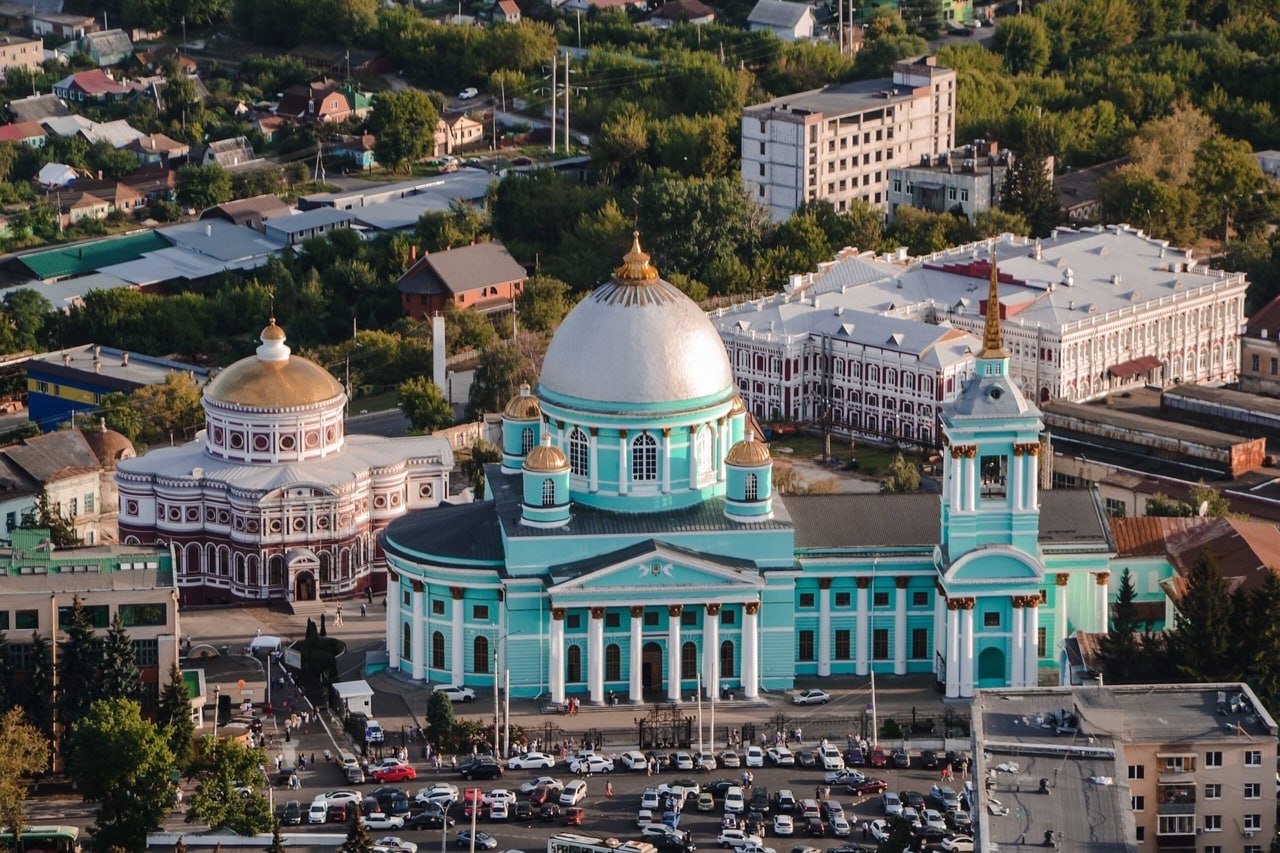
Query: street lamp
[{"x": 217, "y": 696}]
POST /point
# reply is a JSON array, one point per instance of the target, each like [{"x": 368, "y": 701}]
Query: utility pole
[
  {"x": 554, "y": 71},
  {"x": 840, "y": 23},
  {"x": 566, "y": 105}
]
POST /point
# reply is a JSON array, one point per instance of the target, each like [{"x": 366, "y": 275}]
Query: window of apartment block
[
  {"x": 1138, "y": 804},
  {"x": 1212, "y": 848},
  {"x": 1137, "y": 771},
  {"x": 1253, "y": 848},
  {"x": 26, "y": 620},
  {"x": 804, "y": 646},
  {"x": 1254, "y": 363},
  {"x": 1253, "y": 758},
  {"x": 919, "y": 643},
  {"x": 1252, "y": 822},
  {"x": 880, "y": 644},
  {"x": 1114, "y": 507},
  {"x": 806, "y": 599},
  {"x": 1213, "y": 759},
  {"x": 964, "y": 195},
  {"x": 1275, "y": 363},
  {"x": 1252, "y": 791},
  {"x": 761, "y": 147},
  {"x": 762, "y": 170},
  {"x": 1176, "y": 825},
  {"x": 843, "y": 599},
  {"x": 146, "y": 652},
  {"x": 1213, "y": 791},
  {"x": 1142, "y": 832},
  {"x": 843, "y": 645},
  {"x": 880, "y": 599},
  {"x": 1213, "y": 823}
]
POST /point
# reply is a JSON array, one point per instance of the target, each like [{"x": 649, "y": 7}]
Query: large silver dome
[{"x": 636, "y": 339}]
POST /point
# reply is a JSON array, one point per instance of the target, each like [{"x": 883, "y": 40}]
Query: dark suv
[
  {"x": 480, "y": 768},
  {"x": 759, "y": 800}
]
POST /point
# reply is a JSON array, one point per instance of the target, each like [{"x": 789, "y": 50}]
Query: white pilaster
[
  {"x": 1033, "y": 481},
  {"x": 722, "y": 448},
  {"x": 900, "y": 638},
  {"x": 595, "y": 657},
  {"x": 622, "y": 464},
  {"x": 593, "y": 474},
  {"x": 1017, "y": 471},
  {"x": 673, "y": 652},
  {"x": 1060, "y": 613},
  {"x": 456, "y": 646},
  {"x": 750, "y": 650},
  {"x": 939, "y": 629},
  {"x": 419, "y": 649},
  {"x": 555, "y": 656},
  {"x": 955, "y": 475},
  {"x": 861, "y": 623},
  {"x": 824, "y": 627},
  {"x": 1017, "y": 657},
  {"x": 666, "y": 461},
  {"x": 637, "y": 656},
  {"x": 966, "y": 649},
  {"x": 953, "y": 649},
  {"x": 394, "y": 618},
  {"x": 1031, "y": 645},
  {"x": 711, "y": 651},
  {"x": 1104, "y": 601},
  {"x": 971, "y": 484}
]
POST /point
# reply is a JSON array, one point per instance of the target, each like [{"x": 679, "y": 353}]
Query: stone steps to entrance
[{"x": 312, "y": 609}]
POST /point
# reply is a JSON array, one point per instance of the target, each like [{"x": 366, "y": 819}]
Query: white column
[
  {"x": 1016, "y": 654},
  {"x": 595, "y": 657},
  {"x": 419, "y": 649},
  {"x": 637, "y": 655},
  {"x": 622, "y": 463},
  {"x": 900, "y": 638},
  {"x": 722, "y": 448},
  {"x": 1104, "y": 601},
  {"x": 1016, "y": 472},
  {"x": 1031, "y": 645},
  {"x": 824, "y": 627},
  {"x": 953, "y": 649},
  {"x": 394, "y": 618},
  {"x": 711, "y": 651},
  {"x": 666, "y": 460},
  {"x": 673, "y": 652},
  {"x": 750, "y": 651},
  {"x": 593, "y": 474},
  {"x": 860, "y": 628},
  {"x": 1033, "y": 481},
  {"x": 692, "y": 456},
  {"x": 555, "y": 656},
  {"x": 939, "y": 629},
  {"x": 966, "y": 649},
  {"x": 1060, "y": 613},
  {"x": 456, "y": 645},
  {"x": 956, "y": 475},
  {"x": 971, "y": 484}
]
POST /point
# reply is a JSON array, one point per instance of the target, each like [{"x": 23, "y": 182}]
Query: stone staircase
[{"x": 310, "y": 609}]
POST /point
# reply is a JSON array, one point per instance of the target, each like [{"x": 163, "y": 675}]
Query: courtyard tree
[
  {"x": 120, "y": 675},
  {"x": 221, "y": 769},
  {"x": 24, "y": 752},
  {"x": 404, "y": 124},
  {"x": 1202, "y": 645},
  {"x": 174, "y": 715},
  {"x": 423, "y": 404}
]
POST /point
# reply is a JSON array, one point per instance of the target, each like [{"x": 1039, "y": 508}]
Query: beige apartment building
[
  {"x": 1167, "y": 767},
  {"x": 1260, "y": 351},
  {"x": 839, "y": 142},
  {"x": 20, "y": 52}
]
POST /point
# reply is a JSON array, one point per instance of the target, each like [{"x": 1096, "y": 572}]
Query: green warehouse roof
[{"x": 90, "y": 257}]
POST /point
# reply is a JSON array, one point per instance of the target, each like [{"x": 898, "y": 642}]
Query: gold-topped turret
[
  {"x": 992, "y": 340},
  {"x": 636, "y": 268}
]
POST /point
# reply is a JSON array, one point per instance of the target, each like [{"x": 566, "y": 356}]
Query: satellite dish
[{"x": 1204, "y": 509}]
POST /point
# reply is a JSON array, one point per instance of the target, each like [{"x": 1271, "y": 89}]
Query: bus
[
  {"x": 43, "y": 839},
  {"x": 569, "y": 842}
]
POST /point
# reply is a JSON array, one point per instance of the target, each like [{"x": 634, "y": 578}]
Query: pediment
[
  {"x": 657, "y": 566},
  {"x": 996, "y": 565}
]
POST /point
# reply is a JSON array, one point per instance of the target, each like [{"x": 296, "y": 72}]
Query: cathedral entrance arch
[
  {"x": 303, "y": 567},
  {"x": 304, "y": 587},
  {"x": 991, "y": 668},
  {"x": 651, "y": 666}
]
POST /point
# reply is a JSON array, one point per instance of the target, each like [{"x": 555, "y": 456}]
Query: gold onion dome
[
  {"x": 636, "y": 268},
  {"x": 524, "y": 406},
  {"x": 546, "y": 458},
  {"x": 749, "y": 453},
  {"x": 273, "y": 379},
  {"x": 272, "y": 332},
  {"x": 738, "y": 407}
]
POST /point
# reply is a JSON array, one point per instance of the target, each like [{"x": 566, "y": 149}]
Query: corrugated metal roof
[
  {"x": 89, "y": 257},
  {"x": 1144, "y": 536},
  {"x": 45, "y": 456}
]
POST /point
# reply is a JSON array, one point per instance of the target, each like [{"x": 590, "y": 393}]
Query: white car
[
  {"x": 574, "y": 793},
  {"x": 500, "y": 795},
  {"x": 704, "y": 761},
  {"x": 541, "y": 782},
  {"x": 831, "y": 758},
  {"x": 911, "y": 816},
  {"x": 380, "y": 820},
  {"x": 682, "y": 761},
  {"x": 439, "y": 793},
  {"x": 811, "y": 697},
  {"x": 531, "y": 761},
  {"x": 729, "y": 758},
  {"x": 395, "y": 842},
  {"x": 756, "y": 848},
  {"x": 755, "y": 756},
  {"x": 933, "y": 818},
  {"x": 880, "y": 830},
  {"x": 592, "y": 764},
  {"x": 643, "y": 818},
  {"x": 782, "y": 757},
  {"x": 468, "y": 93},
  {"x": 840, "y": 826},
  {"x": 350, "y": 798},
  {"x": 649, "y": 799},
  {"x": 737, "y": 838},
  {"x": 892, "y": 804},
  {"x": 455, "y": 692},
  {"x": 958, "y": 843},
  {"x": 844, "y": 777},
  {"x": 660, "y": 830},
  {"x": 783, "y": 825},
  {"x": 319, "y": 812},
  {"x": 734, "y": 802},
  {"x": 633, "y": 760},
  {"x": 678, "y": 789},
  {"x": 499, "y": 810},
  {"x": 385, "y": 764}
]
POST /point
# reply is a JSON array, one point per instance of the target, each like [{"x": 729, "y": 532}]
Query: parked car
[
  {"x": 455, "y": 692},
  {"x": 878, "y": 758},
  {"x": 592, "y": 764},
  {"x": 644, "y": 817},
  {"x": 706, "y": 802},
  {"x": 574, "y": 816},
  {"x": 781, "y": 756},
  {"x": 719, "y": 788},
  {"x": 737, "y": 838},
  {"x": 704, "y": 762},
  {"x": 545, "y": 794},
  {"x": 548, "y": 811},
  {"x": 440, "y": 792},
  {"x": 339, "y": 812},
  {"x": 844, "y": 777},
  {"x": 395, "y": 844},
  {"x": 933, "y": 818},
  {"x": 840, "y": 826},
  {"x": 892, "y": 803},
  {"x": 929, "y": 759},
  {"x": 574, "y": 793},
  {"x": 533, "y": 784},
  {"x": 811, "y": 697},
  {"x": 915, "y": 799},
  {"x": 499, "y": 810},
  {"x": 901, "y": 758},
  {"x": 806, "y": 758},
  {"x": 468, "y": 93},
  {"x": 522, "y": 811},
  {"x": 341, "y": 796},
  {"x": 480, "y": 768},
  {"x": 483, "y": 840},
  {"x": 815, "y": 827},
  {"x": 868, "y": 786},
  {"x": 854, "y": 757},
  {"x": 291, "y": 814},
  {"x": 783, "y": 825},
  {"x": 382, "y": 820},
  {"x": 958, "y": 821},
  {"x": 734, "y": 802},
  {"x": 755, "y": 756},
  {"x": 531, "y": 761},
  {"x": 945, "y": 797},
  {"x": 398, "y": 773},
  {"x": 759, "y": 801},
  {"x": 729, "y": 758},
  {"x": 682, "y": 761},
  {"x": 784, "y": 801},
  {"x": 633, "y": 760},
  {"x": 958, "y": 843},
  {"x": 831, "y": 758},
  {"x": 318, "y": 812},
  {"x": 430, "y": 819}
]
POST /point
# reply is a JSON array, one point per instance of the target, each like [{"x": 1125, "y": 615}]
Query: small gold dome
[
  {"x": 524, "y": 406},
  {"x": 272, "y": 332},
  {"x": 636, "y": 268},
  {"x": 749, "y": 453},
  {"x": 738, "y": 407},
  {"x": 546, "y": 458}
]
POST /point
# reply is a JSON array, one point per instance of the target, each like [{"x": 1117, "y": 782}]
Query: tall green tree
[
  {"x": 120, "y": 675},
  {"x": 24, "y": 752},
  {"x": 922, "y": 18},
  {"x": 173, "y": 715},
  {"x": 358, "y": 838},
  {"x": 38, "y": 698},
  {"x": 405, "y": 124},
  {"x": 424, "y": 405},
  {"x": 1121, "y": 650},
  {"x": 543, "y": 303},
  {"x": 497, "y": 378},
  {"x": 220, "y": 767},
  {"x": 79, "y": 662},
  {"x": 45, "y": 516},
  {"x": 1028, "y": 190},
  {"x": 1023, "y": 41},
  {"x": 122, "y": 762},
  {"x": 1226, "y": 176},
  {"x": 440, "y": 718},
  {"x": 202, "y": 187},
  {"x": 1262, "y": 651},
  {"x": 1202, "y": 645}
]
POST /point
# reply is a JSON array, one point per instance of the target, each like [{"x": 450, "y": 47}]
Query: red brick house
[{"x": 482, "y": 276}]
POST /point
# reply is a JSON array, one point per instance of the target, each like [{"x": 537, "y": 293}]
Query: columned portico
[
  {"x": 711, "y": 652},
  {"x": 861, "y": 623},
  {"x": 750, "y": 650},
  {"x": 1031, "y": 646},
  {"x": 824, "y": 627},
  {"x": 674, "y": 612},
  {"x": 900, "y": 626},
  {"x": 555, "y": 655},
  {"x": 636, "y": 692},
  {"x": 1016, "y": 636},
  {"x": 953, "y": 648},
  {"x": 1104, "y": 601},
  {"x": 456, "y": 645},
  {"x": 394, "y": 618},
  {"x": 419, "y": 649},
  {"x": 595, "y": 657},
  {"x": 966, "y": 647}
]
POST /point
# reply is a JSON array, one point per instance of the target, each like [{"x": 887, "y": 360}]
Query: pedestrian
[
  {"x": 866, "y": 830},
  {"x": 608, "y": 789},
  {"x": 453, "y": 762},
  {"x": 648, "y": 767},
  {"x": 362, "y": 610},
  {"x": 817, "y": 792},
  {"x": 258, "y": 633},
  {"x": 964, "y": 769}
]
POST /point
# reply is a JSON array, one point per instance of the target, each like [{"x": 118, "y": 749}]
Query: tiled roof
[
  {"x": 1144, "y": 536},
  {"x": 463, "y": 269},
  {"x": 94, "y": 82},
  {"x": 1266, "y": 320},
  {"x": 20, "y": 131}
]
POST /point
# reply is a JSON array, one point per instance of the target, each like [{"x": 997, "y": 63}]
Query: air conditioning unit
[{"x": 1248, "y": 833}]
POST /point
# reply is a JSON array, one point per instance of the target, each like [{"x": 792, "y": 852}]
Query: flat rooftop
[
  {"x": 109, "y": 366},
  {"x": 1062, "y": 412},
  {"x": 837, "y": 99}
]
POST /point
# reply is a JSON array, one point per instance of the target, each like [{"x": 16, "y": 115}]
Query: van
[
  {"x": 261, "y": 644},
  {"x": 809, "y": 808},
  {"x": 574, "y": 793}
]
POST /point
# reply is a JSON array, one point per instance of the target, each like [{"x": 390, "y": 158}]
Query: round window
[
  {"x": 287, "y": 442},
  {"x": 237, "y": 440}
]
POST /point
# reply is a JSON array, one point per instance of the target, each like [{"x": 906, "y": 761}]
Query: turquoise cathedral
[{"x": 630, "y": 542}]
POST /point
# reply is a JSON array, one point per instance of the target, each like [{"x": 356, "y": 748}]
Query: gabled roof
[
  {"x": 37, "y": 107},
  {"x": 92, "y": 82},
  {"x": 684, "y": 10},
  {"x": 779, "y": 13},
  {"x": 45, "y": 457},
  {"x": 21, "y": 131},
  {"x": 1265, "y": 322},
  {"x": 461, "y": 270},
  {"x": 158, "y": 143},
  {"x": 509, "y": 8},
  {"x": 249, "y": 211},
  {"x": 109, "y": 43}
]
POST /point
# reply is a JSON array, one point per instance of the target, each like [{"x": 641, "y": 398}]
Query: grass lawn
[
  {"x": 872, "y": 458},
  {"x": 374, "y": 403}
]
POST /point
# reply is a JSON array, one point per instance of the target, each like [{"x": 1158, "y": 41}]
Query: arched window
[
  {"x": 688, "y": 661},
  {"x": 573, "y": 659},
  {"x": 406, "y": 642},
  {"x": 726, "y": 659},
  {"x": 579, "y": 453},
  {"x": 751, "y": 491},
  {"x": 275, "y": 570},
  {"x": 526, "y": 439},
  {"x": 702, "y": 446},
  {"x": 644, "y": 458},
  {"x": 548, "y": 492},
  {"x": 326, "y": 567},
  {"x": 480, "y": 655},
  {"x": 437, "y": 650},
  {"x": 612, "y": 662}
]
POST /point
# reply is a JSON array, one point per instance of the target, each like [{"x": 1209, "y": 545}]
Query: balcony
[
  {"x": 1176, "y": 842},
  {"x": 1176, "y": 808}
]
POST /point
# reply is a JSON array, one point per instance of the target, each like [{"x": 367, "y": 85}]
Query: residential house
[
  {"x": 28, "y": 132},
  {"x": 1260, "y": 351},
  {"x": 457, "y": 133},
  {"x": 268, "y": 125},
  {"x": 229, "y": 153},
  {"x": 292, "y": 230},
  {"x": 1269, "y": 162},
  {"x": 155, "y": 58},
  {"x": 119, "y": 195},
  {"x": 156, "y": 149},
  {"x": 154, "y": 183},
  {"x": 108, "y": 47},
  {"x": 505, "y": 12},
  {"x": 14, "y": 16},
  {"x": 342, "y": 61},
  {"x": 251, "y": 212},
  {"x": 91, "y": 86},
  {"x": 20, "y": 52},
  {"x": 154, "y": 88},
  {"x": 324, "y": 102},
  {"x": 968, "y": 180},
  {"x": 66, "y": 27},
  {"x": 118, "y": 133},
  {"x": 1078, "y": 196},
  {"x": 482, "y": 276},
  {"x": 682, "y": 12},
  {"x": 356, "y": 149},
  {"x": 788, "y": 21},
  {"x": 76, "y": 205},
  {"x": 37, "y": 108}
]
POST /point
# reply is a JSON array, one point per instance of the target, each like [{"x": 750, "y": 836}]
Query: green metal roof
[{"x": 90, "y": 257}]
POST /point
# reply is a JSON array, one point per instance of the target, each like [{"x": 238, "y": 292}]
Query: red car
[
  {"x": 869, "y": 786},
  {"x": 396, "y": 773},
  {"x": 878, "y": 758},
  {"x": 544, "y": 794},
  {"x": 574, "y": 816}
]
